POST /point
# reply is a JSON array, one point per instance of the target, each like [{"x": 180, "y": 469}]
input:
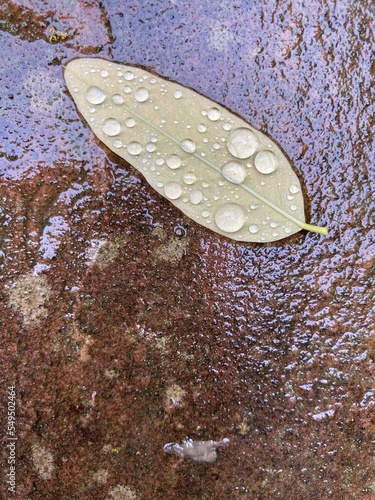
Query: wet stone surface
[{"x": 125, "y": 325}]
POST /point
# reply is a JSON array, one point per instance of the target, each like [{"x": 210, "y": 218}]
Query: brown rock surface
[{"x": 125, "y": 326}]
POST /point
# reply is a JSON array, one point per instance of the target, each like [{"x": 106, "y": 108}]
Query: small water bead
[
  {"x": 213, "y": 114},
  {"x": 253, "y": 206},
  {"x": 150, "y": 147},
  {"x": 294, "y": 189},
  {"x": 230, "y": 217},
  {"x": 205, "y": 213},
  {"x": 253, "y": 228},
  {"x": 127, "y": 89},
  {"x": 130, "y": 122},
  {"x": 119, "y": 73},
  {"x": 134, "y": 148},
  {"x": 159, "y": 161},
  {"x": 141, "y": 94},
  {"x": 201, "y": 127},
  {"x": 189, "y": 178},
  {"x": 216, "y": 145},
  {"x": 111, "y": 127},
  {"x": 274, "y": 224},
  {"x": 188, "y": 146},
  {"x": 117, "y": 99},
  {"x": 173, "y": 190},
  {"x": 95, "y": 95},
  {"x": 196, "y": 196},
  {"x": 104, "y": 73},
  {"x": 117, "y": 143},
  {"x": 129, "y": 75},
  {"x": 234, "y": 172},
  {"x": 174, "y": 161},
  {"x": 242, "y": 143},
  {"x": 227, "y": 126},
  {"x": 293, "y": 207},
  {"x": 265, "y": 162},
  {"x": 177, "y": 94}
]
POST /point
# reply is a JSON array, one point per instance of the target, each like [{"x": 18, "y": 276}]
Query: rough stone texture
[{"x": 271, "y": 346}]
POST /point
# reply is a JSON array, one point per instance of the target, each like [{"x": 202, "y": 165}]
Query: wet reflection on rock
[{"x": 200, "y": 451}]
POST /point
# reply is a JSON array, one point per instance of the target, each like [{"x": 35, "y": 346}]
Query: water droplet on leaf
[
  {"x": 265, "y": 162},
  {"x": 188, "y": 145},
  {"x": 242, "y": 143},
  {"x": 141, "y": 94},
  {"x": 95, "y": 95},
  {"x": 134, "y": 148},
  {"x": 111, "y": 127},
  {"x": 230, "y": 218},
  {"x": 172, "y": 190},
  {"x": 234, "y": 172}
]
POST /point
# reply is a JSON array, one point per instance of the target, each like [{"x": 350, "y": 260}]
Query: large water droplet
[
  {"x": 129, "y": 75},
  {"x": 111, "y": 127},
  {"x": 95, "y": 95},
  {"x": 141, "y": 94},
  {"x": 118, "y": 99},
  {"x": 234, "y": 172},
  {"x": 174, "y": 161},
  {"x": 173, "y": 190},
  {"x": 189, "y": 178},
  {"x": 265, "y": 162},
  {"x": 230, "y": 218},
  {"x": 242, "y": 143},
  {"x": 188, "y": 146},
  {"x": 294, "y": 189},
  {"x": 130, "y": 122},
  {"x": 196, "y": 196},
  {"x": 253, "y": 228},
  {"x": 201, "y": 127},
  {"x": 213, "y": 114},
  {"x": 134, "y": 148}
]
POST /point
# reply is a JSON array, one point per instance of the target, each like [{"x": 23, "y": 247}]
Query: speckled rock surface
[{"x": 125, "y": 326}]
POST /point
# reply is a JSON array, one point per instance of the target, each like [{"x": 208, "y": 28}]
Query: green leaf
[{"x": 208, "y": 162}]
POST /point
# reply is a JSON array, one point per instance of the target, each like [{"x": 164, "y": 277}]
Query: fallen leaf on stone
[
  {"x": 200, "y": 451},
  {"x": 208, "y": 162}
]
